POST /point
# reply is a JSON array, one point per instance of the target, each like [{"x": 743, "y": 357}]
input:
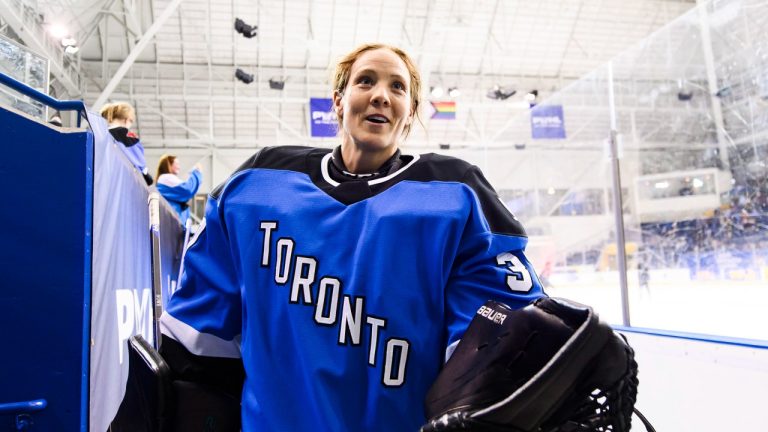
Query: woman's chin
[{"x": 374, "y": 144}]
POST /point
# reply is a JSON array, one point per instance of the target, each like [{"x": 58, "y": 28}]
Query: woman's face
[
  {"x": 376, "y": 104},
  {"x": 176, "y": 167},
  {"x": 126, "y": 123}
]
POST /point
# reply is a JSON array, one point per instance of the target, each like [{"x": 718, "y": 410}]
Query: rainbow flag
[{"x": 444, "y": 110}]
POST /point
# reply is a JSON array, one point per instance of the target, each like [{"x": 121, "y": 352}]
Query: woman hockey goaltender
[{"x": 327, "y": 287}]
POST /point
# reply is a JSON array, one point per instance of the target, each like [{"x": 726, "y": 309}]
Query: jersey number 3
[{"x": 519, "y": 278}]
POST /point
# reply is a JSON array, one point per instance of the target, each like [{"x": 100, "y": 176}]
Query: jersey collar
[{"x": 334, "y": 172}]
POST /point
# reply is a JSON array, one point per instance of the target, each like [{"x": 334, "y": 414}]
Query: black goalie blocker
[{"x": 551, "y": 366}]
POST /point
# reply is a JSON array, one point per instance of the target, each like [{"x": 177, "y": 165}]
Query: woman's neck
[{"x": 363, "y": 161}]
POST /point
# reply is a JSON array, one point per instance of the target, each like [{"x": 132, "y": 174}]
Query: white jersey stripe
[{"x": 198, "y": 343}]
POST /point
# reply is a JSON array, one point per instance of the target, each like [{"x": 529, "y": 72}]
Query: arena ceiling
[{"x": 177, "y": 59}]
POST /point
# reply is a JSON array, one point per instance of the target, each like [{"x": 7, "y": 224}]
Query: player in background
[{"x": 336, "y": 282}]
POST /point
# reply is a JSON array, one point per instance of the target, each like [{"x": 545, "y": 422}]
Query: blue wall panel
[{"x": 45, "y": 177}]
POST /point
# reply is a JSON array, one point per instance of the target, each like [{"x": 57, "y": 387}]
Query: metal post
[
  {"x": 621, "y": 251},
  {"x": 712, "y": 84},
  {"x": 157, "y": 283}
]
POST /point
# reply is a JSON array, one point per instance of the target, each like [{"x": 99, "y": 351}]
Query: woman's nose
[{"x": 380, "y": 95}]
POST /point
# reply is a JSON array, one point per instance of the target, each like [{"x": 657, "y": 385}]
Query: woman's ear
[
  {"x": 337, "y": 103},
  {"x": 411, "y": 116}
]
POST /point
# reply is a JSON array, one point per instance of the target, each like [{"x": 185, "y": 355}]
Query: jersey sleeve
[
  {"x": 205, "y": 314},
  {"x": 490, "y": 263},
  {"x": 182, "y": 192}
]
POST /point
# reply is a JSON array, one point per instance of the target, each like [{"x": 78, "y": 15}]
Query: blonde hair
[
  {"x": 118, "y": 111},
  {"x": 164, "y": 165},
  {"x": 340, "y": 77}
]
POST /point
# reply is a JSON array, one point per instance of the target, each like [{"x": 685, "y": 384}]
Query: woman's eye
[
  {"x": 365, "y": 80},
  {"x": 399, "y": 86}
]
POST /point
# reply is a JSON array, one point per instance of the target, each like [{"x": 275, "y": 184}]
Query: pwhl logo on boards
[{"x": 134, "y": 315}]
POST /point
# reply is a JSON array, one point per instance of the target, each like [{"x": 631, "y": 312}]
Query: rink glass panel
[
  {"x": 691, "y": 112},
  {"x": 27, "y": 67}
]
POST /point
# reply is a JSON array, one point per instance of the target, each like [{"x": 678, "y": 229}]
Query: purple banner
[
  {"x": 322, "y": 118},
  {"x": 547, "y": 122},
  {"x": 122, "y": 277}
]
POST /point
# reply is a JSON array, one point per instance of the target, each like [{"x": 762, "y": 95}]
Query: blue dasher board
[{"x": 46, "y": 176}]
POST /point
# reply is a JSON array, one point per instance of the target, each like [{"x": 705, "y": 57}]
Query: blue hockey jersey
[
  {"x": 178, "y": 192},
  {"x": 342, "y": 297}
]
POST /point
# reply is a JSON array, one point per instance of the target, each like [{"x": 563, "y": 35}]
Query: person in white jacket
[{"x": 175, "y": 190}]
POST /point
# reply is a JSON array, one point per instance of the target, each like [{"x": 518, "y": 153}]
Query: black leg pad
[
  {"x": 201, "y": 408},
  {"x": 156, "y": 402},
  {"x": 148, "y": 394}
]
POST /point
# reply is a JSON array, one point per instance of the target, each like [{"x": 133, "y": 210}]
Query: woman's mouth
[{"x": 376, "y": 118}]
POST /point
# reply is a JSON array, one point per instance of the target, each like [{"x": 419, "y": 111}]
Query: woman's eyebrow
[
  {"x": 366, "y": 71},
  {"x": 371, "y": 71}
]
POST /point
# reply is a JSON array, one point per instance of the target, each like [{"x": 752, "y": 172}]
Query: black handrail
[{"x": 61, "y": 105}]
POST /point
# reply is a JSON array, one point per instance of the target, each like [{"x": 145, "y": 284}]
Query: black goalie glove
[{"x": 552, "y": 366}]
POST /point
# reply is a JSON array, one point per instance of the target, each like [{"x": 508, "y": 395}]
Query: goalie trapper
[{"x": 551, "y": 366}]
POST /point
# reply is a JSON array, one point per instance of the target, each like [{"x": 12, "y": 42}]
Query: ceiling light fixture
[
  {"x": 723, "y": 92},
  {"x": 436, "y": 91},
  {"x": 244, "y": 29},
  {"x": 684, "y": 96},
  {"x": 58, "y": 31},
  {"x": 243, "y": 76},
  {"x": 276, "y": 84},
  {"x": 454, "y": 92},
  {"x": 684, "y": 93},
  {"x": 70, "y": 45},
  {"x": 532, "y": 95},
  {"x": 500, "y": 93}
]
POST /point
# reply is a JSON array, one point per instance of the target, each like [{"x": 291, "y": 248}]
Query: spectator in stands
[
  {"x": 644, "y": 276},
  {"x": 175, "y": 190},
  {"x": 761, "y": 200},
  {"x": 120, "y": 117},
  {"x": 544, "y": 275}
]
